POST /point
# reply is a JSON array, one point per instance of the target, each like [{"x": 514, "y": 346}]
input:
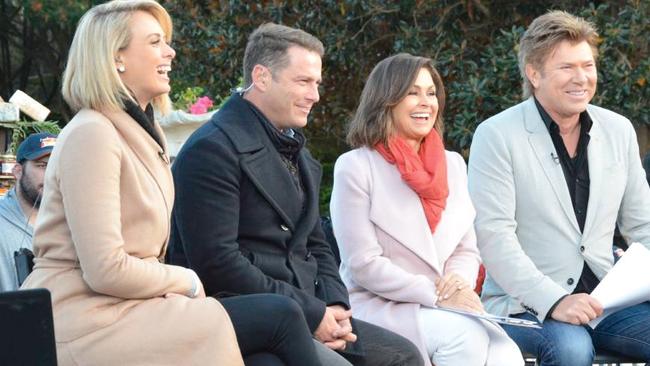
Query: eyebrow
[
  {"x": 310, "y": 78},
  {"x": 160, "y": 35},
  {"x": 422, "y": 87}
]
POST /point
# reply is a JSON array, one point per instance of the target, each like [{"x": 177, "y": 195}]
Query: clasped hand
[
  {"x": 335, "y": 329},
  {"x": 455, "y": 293}
]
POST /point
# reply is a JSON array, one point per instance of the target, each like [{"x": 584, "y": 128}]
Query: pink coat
[{"x": 390, "y": 258}]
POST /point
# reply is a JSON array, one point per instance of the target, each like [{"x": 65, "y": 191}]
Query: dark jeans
[
  {"x": 383, "y": 348},
  {"x": 271, "y": 330},
  {"x": 625, "y": 332}
]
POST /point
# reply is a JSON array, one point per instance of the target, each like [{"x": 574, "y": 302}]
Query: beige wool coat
[{"x": 99, "y": 241}]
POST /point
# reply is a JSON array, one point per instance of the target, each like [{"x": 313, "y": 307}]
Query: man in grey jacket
[
  {"x": 19, "y": 208},
  {"x": 550, "y": 179}
]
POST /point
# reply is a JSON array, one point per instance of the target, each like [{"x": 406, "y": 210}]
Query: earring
[{"x": 121, "y": 68}]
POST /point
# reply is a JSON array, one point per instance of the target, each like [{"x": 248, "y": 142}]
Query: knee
[
  {"x": 579, "y": 352},
  {"x": 474, "y": 344},
  {"x": 409, "y": 354},
  {"x": 206, "y": 315},
  {"x": 505, "y": 354},
  {"x": 280, "y": 306}
]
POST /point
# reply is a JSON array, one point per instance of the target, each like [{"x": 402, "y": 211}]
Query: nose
[
  {"x": 169, "y": 51},
  {"x": 581, "y": 75},
  {"x": 313, "y": 95},
  {"x": 427, "y": 100}
]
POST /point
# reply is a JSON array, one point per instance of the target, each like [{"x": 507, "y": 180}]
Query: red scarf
[{"x": 425, "y": 171}]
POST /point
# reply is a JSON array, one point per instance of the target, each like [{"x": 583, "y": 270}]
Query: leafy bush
[
  {"x": 474, "y": 43},
  {"x": 21, "y": 129},
  {"x": 35, "y": 36}
]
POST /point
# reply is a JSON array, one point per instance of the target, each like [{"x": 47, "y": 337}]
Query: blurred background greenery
[{"x": 473, "y": 42}]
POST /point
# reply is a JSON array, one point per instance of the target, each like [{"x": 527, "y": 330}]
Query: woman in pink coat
[{"x": 403, "y": 219}]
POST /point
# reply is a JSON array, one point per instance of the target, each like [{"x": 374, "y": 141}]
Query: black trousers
[
  {"x": 383, "y": 348},
  {"x": 271, "y": 330}
]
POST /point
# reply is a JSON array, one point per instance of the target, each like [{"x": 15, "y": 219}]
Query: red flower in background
[{"x": 202, "y": 105}]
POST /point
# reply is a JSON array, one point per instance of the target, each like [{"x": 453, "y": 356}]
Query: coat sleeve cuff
[{"x": 541, "y": 303}]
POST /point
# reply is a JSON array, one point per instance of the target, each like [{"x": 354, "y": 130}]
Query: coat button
[
  {"x": 284, "y": 227},
  {"x": 569, "y": 281},
  {"x": 582, "y": 249},
  {"x": 316, "y": 283},
  {"x": 308, "y": 255}
]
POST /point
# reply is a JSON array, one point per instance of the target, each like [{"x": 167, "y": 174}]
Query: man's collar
[
  {"x": 16, "y": 212},
  {"x": 551, "y": 125},
  {"x": 289, "y": 132}
]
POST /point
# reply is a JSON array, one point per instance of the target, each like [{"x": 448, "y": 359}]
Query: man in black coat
[{"x": 246, "y": 215}]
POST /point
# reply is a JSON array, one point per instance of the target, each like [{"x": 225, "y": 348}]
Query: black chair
[{"x": 27, "y": 330}]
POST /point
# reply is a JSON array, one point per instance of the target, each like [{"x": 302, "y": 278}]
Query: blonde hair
[
  {"x": 90, "y": 79},
  {"x": 389, "y": 83},
  {"x": 545, "y": 33}
]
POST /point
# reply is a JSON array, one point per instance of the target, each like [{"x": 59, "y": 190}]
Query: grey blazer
[{"x": 527, "y": 232}]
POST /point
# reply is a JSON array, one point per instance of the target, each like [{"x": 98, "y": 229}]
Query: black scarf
[
  {"x": 144, "y": 118},
  {"x": 288, "y": 144}
]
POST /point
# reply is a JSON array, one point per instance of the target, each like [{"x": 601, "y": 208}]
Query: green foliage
[
  {"x": 35, "y": 36},
  {"x": 473, "y": 42},
  {"x": 22, "y": 129},
  {"x": 624, "y": 66},
  {"x": 184, "y": 99}
]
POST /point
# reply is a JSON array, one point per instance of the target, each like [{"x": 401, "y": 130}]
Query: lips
[
  {"x": 305, "y": 109},
  {"x": 421, "y": 116},
  {"x": 163, "y": 69}
]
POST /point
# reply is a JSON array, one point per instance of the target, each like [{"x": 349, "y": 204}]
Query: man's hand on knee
[
  {"x": 343, "y": 317},
  {"x": 577, "y": 309},
  {"x": 327, "y": 328}
]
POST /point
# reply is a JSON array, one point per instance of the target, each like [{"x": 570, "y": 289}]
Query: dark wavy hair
[{"x": 389, "y": 83}]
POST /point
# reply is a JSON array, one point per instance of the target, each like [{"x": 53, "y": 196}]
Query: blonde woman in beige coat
[{"x": 107, "y": 201}]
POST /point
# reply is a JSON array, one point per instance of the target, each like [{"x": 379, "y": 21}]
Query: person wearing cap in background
[{"x": 19, "y": 208}]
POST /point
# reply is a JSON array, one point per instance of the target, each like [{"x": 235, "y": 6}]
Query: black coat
[{"x": 238, "y": 221}]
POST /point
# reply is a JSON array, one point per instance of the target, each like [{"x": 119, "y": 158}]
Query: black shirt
[{"x": 576, "y": 174}]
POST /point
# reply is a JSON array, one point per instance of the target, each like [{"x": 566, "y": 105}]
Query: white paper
[
  {"x": 496, "y": 318},
  {"x": 626, "y": 284}
]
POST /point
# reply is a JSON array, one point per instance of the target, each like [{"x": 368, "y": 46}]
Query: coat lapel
[
  {"x": 153, "y": 157},
  {"x": 269, "y": 176},
  {"x": 542, "y": 145},
  {"x": 597, "y": 160},
  {"x": 396, "y": 209},
  {"x": 260, "y": 160},
  {"x": 310, "y": 174}
]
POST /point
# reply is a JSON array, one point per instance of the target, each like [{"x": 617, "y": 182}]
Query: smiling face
[
  {"x": 415, "y": 115},
  {"x": 146, "y": 60},
  {"x": 291, "y": 92},
  {"x": 566, "y": 82}
]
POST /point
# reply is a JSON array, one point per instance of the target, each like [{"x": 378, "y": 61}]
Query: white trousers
[{"x": 455, "y": 339}]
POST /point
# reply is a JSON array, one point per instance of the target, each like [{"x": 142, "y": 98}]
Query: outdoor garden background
[{"x": 474, "y": 44}]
